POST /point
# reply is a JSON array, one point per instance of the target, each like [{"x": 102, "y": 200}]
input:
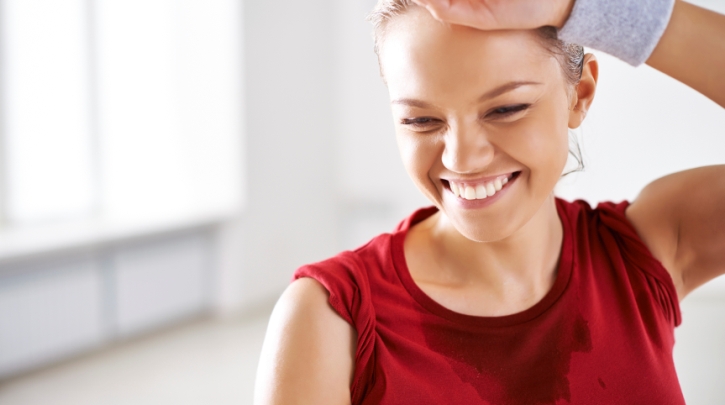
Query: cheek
[
  {"x": 420, "y": 155},
  {"x": 541, "y": 144},
  {"x": 548, "y": 146}
]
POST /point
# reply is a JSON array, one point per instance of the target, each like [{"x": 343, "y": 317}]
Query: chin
[{"x": 483, "y": 231}]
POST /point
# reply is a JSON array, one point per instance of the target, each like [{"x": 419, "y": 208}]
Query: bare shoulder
[
  {"x": 308, "y": 352},
  {"x": 681, "y": 219}
]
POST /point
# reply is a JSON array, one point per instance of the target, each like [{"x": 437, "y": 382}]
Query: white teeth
[
  {"x": 480, "y": 191},
  {"x": 470, "y": 193},
  {"x": 454, "y": 188}
]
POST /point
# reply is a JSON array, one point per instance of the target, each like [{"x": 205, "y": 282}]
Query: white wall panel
[
  {"x": 159, "y": 282},
  {"x": 49, "y": 312}
]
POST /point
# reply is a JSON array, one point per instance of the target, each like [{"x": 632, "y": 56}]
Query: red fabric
[{"x": 603, "y": 335}]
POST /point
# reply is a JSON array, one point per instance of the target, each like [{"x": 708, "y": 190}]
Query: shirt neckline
[{"x": 563, "y": 276}]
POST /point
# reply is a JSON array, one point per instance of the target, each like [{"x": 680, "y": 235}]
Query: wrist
[{"x": 626, "y": 29}]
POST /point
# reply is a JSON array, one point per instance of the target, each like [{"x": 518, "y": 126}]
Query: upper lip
[{"x": 478, "y": 180}]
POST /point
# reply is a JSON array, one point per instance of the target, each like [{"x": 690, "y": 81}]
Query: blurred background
[{"x": 165, "y": 165}]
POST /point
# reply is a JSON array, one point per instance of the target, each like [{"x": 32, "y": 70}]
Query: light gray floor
[
  {"x": 204, "y": 362},
  {"x": 214, "y": 362}
]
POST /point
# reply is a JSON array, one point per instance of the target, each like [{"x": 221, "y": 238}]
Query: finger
[
  {"x": 473, "y": 13},
  {"x": 425, "y": 3},
  {"x": 439, "y": 9}
]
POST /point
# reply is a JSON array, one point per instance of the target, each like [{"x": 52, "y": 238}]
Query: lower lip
[{"x": 485, "y": 202}]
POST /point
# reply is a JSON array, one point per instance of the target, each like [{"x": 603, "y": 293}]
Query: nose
[{"x": 467, "y": 149}]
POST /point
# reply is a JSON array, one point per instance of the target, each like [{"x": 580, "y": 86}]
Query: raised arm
[
  {"x": 308, "y": 352},
  {"x": 692, "y": 50},
  {"x": 681, "y": 217}
]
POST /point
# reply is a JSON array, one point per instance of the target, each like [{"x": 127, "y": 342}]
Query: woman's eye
[
  {"x": 421, "y": 123},
  {"x": 506, "y": 111}
]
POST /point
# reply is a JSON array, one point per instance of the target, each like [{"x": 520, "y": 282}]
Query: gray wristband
[{"x": 627, "y": 29}]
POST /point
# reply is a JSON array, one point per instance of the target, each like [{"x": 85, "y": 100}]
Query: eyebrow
[{"x": 504, "y": 88}]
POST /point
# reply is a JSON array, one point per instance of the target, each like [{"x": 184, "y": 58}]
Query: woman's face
[{"x": 477, "y": 114}]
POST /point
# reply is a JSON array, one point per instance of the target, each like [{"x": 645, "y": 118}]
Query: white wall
[
  {"x": 291, "y": 206},
  {"x": 322, "y": 167},
  {"x": 374, "y": 188},
  {"x": 699, "y": 352}
]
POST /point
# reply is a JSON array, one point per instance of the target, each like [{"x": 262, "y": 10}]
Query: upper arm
[
  {"x": 308, "y": 352},
  {"x": 681, "y": 219}
]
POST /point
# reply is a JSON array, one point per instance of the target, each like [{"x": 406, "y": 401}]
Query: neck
[{"x": 523, "y": 264}]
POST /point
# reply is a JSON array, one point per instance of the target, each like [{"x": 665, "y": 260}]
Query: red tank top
[{"x": 603, "y": 334}]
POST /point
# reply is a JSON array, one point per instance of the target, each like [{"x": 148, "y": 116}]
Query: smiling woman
[{"x": 502, "y": 293}]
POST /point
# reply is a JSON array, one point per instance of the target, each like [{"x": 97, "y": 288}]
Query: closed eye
[
  {"x": 507, "y": 111},
  {"x": 421, "y": 123}
]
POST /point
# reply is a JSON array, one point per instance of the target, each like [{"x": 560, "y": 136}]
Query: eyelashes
[
  {"x": 509, "y": 110},
  {"x": 419, "y": 122},
  {"x": 425, "y": 124}
]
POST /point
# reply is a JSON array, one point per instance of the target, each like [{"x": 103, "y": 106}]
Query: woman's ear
[{"x": 584, "y": 91}]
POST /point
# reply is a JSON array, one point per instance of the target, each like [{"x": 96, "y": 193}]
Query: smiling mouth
[{"x": 479, "y": 190}]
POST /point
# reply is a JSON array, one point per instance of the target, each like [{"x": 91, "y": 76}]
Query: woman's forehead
[{"x": 419, "y": 53}]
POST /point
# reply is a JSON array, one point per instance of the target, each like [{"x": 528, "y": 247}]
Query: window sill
[{"x": 31, "y": 241}]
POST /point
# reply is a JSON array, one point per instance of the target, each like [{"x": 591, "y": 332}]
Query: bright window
[
  {"x": 46, "y": 102},
  {"x": 119, "y": 109}
]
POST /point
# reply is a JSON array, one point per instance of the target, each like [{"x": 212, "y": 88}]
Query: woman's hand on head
[{"x": 500, "y": 14}]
